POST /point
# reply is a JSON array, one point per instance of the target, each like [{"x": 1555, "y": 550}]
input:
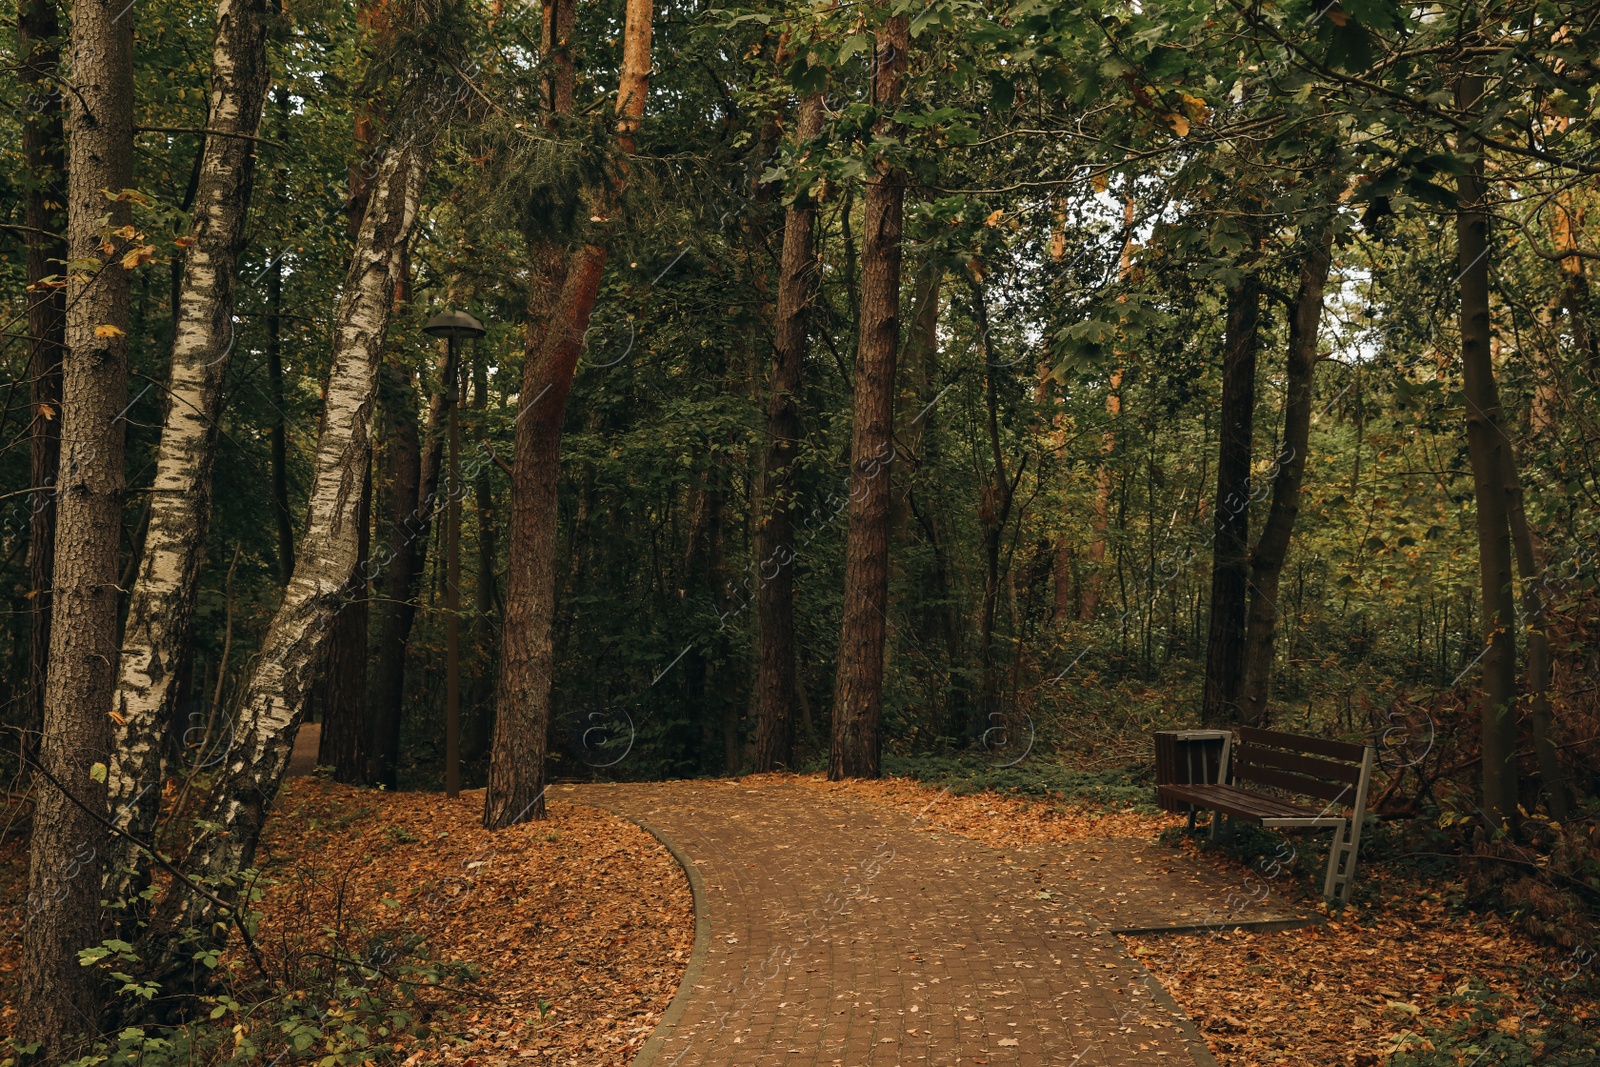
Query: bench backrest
[{"x": 1333, "y": 771}]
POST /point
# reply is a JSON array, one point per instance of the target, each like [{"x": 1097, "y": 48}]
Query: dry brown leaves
[
  {"x": 1328, "y": 997},
  {"x": 1346, "y": 994},
  {"x": 580, "y": 925},
  {"x": 1001, "y": 821}
]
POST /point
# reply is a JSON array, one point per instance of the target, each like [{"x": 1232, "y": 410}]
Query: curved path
[{"x": 835, "y": 932}]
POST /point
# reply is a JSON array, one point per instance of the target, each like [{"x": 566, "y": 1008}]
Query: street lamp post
[{"x": 453, "y": 326}]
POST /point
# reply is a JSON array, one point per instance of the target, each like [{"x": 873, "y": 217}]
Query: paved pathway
[{"x": 836, "y": 932}]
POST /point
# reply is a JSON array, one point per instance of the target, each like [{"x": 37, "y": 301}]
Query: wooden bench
[{"x": 1291, "y": 765}]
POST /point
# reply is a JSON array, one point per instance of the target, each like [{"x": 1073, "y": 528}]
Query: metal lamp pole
[{"x": 453, "y": 326}]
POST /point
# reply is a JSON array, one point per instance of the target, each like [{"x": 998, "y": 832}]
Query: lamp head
[{"x": 454, "y": 325}]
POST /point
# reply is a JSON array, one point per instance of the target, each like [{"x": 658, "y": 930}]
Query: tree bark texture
[
  {"x": 67, "y": 845},
  {"x": 775, "y": 665},
  {"x": 858, "y": 689},
  {"x": 415, "y": 499},
  {"x": 1485, "y": 439},
  {"x": 161, "y": 605},
  {"x": 274, "y": 699},
  {"x": 1230, "y": 564},
  {"x": 522, "y": 700},
  {"x": 44, "y": 212},
  {"x": 345, "y": 726},
  {"x": 527, "y": 665},
  {"x": 1266, "y": 561}
]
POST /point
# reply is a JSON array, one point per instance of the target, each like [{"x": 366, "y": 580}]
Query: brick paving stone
[{"x": 843, "y": 933}]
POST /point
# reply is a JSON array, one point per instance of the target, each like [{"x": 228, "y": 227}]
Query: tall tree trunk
[
  {"x": 775, "y": 666},
  {"x": 994, "y": 512},
  {"x": 1485, "y": 440},
  {"x": 161, "y": 605},
  {"x": 345, "y": 724},
  {"x": 67, "y": 845},
  {"x": 409, "y": 558},
  {"x": 1266, "y": 562},
  {"x": 858, "y": 689},
  {"x": 44, "y": 157},
  {"x": 1230, "y": 564},
  {"x": 277, "y": 431},
  {"x": 522, "y": 701},
  {"x": 527, "y": 666},
  {"x": 480, "y": 724},
  {"x": 274, "y": 699},
  {"x": 402, "y": 458}
]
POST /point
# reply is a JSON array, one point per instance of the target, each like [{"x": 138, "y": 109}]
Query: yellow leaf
[
  {"x": 46, "y": 411},
  {"x": 107, "y": 330},
  {"x": 994, "y": 217},
  {"x": 1179, "y": 124},
  {"x": 183, "y": 242},
  {"x": 1101, "y": 182},
  {"x": 136, "y": 256},
  {"x": 127, "y": 233}
]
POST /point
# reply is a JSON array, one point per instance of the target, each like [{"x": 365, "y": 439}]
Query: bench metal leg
[{"x": 1341, "y": 864}]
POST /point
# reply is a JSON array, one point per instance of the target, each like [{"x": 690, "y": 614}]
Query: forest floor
[
  {"x": 1404, "y": 967},
  {"x": 580, "y": 928}
]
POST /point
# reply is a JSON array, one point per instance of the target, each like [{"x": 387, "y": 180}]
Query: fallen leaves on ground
[
  {"x": 580, "y": 926},
  {"x": 1376, "y": 976},
  {"x": 1351, "y": 992},
  {"x": 1001, "y": 821}
]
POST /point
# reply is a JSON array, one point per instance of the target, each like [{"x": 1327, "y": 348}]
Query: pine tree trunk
[
  {"x": 161, "y": 605},
  {"x": 415, "y": 503},
  {"x": 402, "y": 458},
  {"x": 1485, "y": 439},
  {"x": 522, "y": 700},
  {"x": 345, "y": 726},
  {"x": 775, "y": 668},
  {"x": 480, "y": 723},
  {"x": 527, "y": 667},
  {"x": 67, "y": 846},
  {"x": 1230, "y": 565},
  {"x": 858, "y": 689},
  {"x": 274, "y": 700},
  {"x": 1266, "y": 562},
  {"x": 44, "y": 156},
  {"x": 277, "y": 431}
]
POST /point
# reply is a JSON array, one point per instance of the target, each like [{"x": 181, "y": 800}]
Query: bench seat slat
[
  {"x": 1241, "y": 803},
  {"x": 1320, "y": 746}
]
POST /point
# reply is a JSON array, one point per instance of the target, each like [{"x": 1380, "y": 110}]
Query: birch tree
[{"x": 161, "y": 605}]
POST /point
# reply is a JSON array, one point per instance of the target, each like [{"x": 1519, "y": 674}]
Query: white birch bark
[
  {"x": 161, "y": 606},
  {"x": 327, "y": 555}
]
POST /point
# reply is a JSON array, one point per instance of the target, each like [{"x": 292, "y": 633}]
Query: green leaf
[{"x": 98, "y": 772}]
